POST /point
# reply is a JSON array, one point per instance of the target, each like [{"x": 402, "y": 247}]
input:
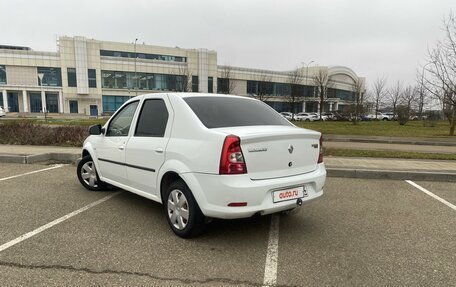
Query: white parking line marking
[
  {"x": 450, "y": 205},
  {"x": 270, "y": 269},
  {"x": 32, "y": 172},
  {"x": 55, "y": 222}
]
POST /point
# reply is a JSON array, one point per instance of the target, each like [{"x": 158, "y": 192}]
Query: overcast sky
[{"x": 375, "y": 38}]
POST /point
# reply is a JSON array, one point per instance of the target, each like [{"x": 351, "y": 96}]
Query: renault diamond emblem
[{"x": 290, "y": 149}]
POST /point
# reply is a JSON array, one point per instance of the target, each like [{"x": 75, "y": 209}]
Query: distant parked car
[
  {"x": 2, "y": 112},
  {"x": 288, "y": 116},
  {"x": 305, "y": 117},
  {"x": 340, "y": 117},
  {"x": 380, "y": 117},
  {"x": 323, "y": 117},
  {"x": 391, "y": 116},
  {"x": 329, "y": 116}
]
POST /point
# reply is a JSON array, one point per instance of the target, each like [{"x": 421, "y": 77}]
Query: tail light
[
  {"x": 320, "y": 156},
  {"x": 232, "y": 159}
]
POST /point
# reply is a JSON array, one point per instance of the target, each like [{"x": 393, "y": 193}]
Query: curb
[
  {"x": 391, "y": 174},
  {"x": 29, "y": 159}
]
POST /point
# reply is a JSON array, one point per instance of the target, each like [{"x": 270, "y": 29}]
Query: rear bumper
[{"x": 214, "y": 192}]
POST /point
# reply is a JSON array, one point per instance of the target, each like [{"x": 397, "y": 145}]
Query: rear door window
[{"x": 152, "y": 119}]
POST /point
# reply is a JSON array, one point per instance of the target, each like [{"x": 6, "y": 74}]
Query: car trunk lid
[{"x": 277, "y": 151}]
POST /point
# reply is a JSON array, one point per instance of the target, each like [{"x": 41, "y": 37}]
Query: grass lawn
[
  {"x": 386, "y": 154},
  {"x": 379, "y": 128}
]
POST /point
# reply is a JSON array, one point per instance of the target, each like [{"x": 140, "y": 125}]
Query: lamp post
[
  {"x": 43, "y": 96},
  {"x": 136, "y": 77}
]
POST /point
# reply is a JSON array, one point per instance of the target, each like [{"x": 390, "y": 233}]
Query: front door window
[{"x": 120, "y": 124}]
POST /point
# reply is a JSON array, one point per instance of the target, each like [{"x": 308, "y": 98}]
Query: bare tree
[
  {"x": 408, "y": 97},
  {"x": 394, "y": 95},
  {"x": 440, "y": 79},
  {"x": 320, "y": 81},
  {"x": 264, "y": 89},
  {"x": 422, "y": 93},
  {"x": 185, "y": 84},
  {"x": 226, "y": 84},
  {"x": 358, "y": 105},
  {"x": 378, "y": 94},
  {"x": 406, "y": 104},
  {"x": 296, "y": 93}
]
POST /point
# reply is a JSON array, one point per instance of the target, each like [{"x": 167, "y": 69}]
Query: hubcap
[
  {"x": 89, "y": 174},
  {"x": 178, "y": 209}
]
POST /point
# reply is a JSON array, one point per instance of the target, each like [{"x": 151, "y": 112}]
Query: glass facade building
[
  {"x": 141, "y": 81},
  {"x": 92, "y": 77},
  {"x": 112, "y": 103},
  {"x": 123, "y": 54}
]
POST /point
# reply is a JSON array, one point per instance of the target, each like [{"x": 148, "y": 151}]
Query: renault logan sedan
[{"x": 204, "y": 156}]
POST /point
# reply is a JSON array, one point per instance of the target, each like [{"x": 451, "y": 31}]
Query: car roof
[{"x": 194, "y": 95}]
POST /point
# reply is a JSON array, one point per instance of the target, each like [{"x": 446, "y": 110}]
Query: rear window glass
[{"x": 219, "y": 112}]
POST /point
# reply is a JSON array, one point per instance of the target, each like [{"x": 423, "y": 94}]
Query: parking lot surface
[{"x": 361, "y": 232}]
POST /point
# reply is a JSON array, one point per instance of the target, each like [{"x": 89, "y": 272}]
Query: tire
[
  {"x": 385, "y": 119},
  {"x": 182, "y": 211},
  {"x": 88, "y": 175},
  {"x": 307, "y": 120}
]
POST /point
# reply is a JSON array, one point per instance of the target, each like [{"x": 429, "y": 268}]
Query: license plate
[{"x": 289, "y": 194}]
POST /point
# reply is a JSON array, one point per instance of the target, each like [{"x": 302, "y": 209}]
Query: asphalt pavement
[{"x": 361, "y": 232}]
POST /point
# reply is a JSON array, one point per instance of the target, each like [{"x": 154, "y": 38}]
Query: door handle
[
  {"x": 159, "y": 150},
  {"x": 121, "y": 147}
]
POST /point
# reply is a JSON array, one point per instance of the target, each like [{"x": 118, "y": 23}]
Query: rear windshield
[{"x": 220, "y": 112}]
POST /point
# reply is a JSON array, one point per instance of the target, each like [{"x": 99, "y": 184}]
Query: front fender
[{"x": 88, "y": 147}]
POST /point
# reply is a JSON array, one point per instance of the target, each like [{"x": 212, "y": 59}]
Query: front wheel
[
  {"x": 182, "y": 211},
  {"x": 88, "y": 176}
]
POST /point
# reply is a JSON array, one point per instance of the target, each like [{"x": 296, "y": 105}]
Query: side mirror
[{"x": 95, "y": 130}]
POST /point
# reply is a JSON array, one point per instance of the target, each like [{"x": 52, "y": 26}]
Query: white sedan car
[{"x": 204, "y": 156}]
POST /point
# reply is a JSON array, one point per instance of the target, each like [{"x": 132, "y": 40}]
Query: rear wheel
[
  {"x": 182, "y": 211},
  {"x": 88, "y": 176}
]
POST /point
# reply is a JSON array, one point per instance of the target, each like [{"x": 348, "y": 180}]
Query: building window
[
  {"x": 35, "y": 102},
  {"x": 2, "y": 75},
  {"x": 223, "y": 86},
  {"x": 195, "y": 86},
  {"x": 71, "y": 73},
  {"x": 131, "y": 55},
  {"x": 112, "y": 103},
  {"x": 51, "y": 76},
  {"x": 74, "y": 107},
  {"x": 13, "y": 102},
  {"x": 52, "y": 103},
  {"x": 145, "y": 81},
  {"x": 210, "y": 85},
  {"x": 92, "y": 78}
]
